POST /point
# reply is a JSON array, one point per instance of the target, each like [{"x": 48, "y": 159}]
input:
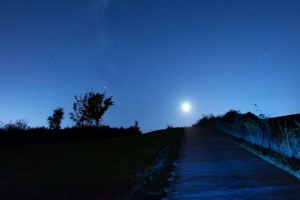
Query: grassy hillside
[
  {"x": 288, "y": 120},
  {"x": 274, "y": 139},
  {"x": 103, "y": 169}
]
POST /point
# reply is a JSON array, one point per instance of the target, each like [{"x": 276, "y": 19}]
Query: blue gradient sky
[{"x": 151, "y": 56}]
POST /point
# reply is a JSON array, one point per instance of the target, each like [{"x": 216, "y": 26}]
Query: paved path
[{"x": 212, "y": 167}]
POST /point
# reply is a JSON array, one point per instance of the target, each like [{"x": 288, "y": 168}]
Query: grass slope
[
  {"x": 103, "y": 169},
  {"x": 288, "y": 121},
  {"x": 279, "y": 147},
  {"x": 290, "y": 165}
]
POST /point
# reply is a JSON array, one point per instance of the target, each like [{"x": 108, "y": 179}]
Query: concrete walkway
[{"x": 212, "y": 167}]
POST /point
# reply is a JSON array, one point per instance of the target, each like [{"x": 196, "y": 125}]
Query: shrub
[{"x": 18, "y": 125}]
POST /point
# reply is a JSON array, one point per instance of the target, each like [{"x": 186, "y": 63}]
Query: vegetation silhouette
[
  {"x": 9, "y": 135},
  {"x": 278, "y": 134},
  {"x": 18, "y": 125},
  {"x": 89, "y": 109},
  {"x": 54, "y": 121},
  {"x": 88, "y": 112}
]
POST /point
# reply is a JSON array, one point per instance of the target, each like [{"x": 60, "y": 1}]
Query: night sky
[{"x": 151, "y": 56}]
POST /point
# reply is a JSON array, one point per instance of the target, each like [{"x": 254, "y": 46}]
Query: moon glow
[{"x": 186, "y": 107}]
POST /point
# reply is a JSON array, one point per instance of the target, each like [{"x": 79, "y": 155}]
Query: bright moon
[{"x": 186, "y": 107}]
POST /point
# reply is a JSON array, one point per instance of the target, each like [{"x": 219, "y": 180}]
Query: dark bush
[
  {"x": 230, "y": 116},
  {"x": 205, "y": 120},
  {"x": 74, "y": 134},
  {"x": 250, "y": 116},
  {"x": 18, "y": 125}
]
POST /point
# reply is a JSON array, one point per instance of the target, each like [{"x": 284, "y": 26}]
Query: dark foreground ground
[
  {"x": 135, "y": 166},
  {"x": 212, "y": 167}
]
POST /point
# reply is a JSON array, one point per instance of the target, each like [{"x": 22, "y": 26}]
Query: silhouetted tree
[
  {"x": 54, "y": 121},
  {"x": 89, "y": 109},
  {"x": 134, "y": 129},
  {"x": 136, "y": 125}
]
